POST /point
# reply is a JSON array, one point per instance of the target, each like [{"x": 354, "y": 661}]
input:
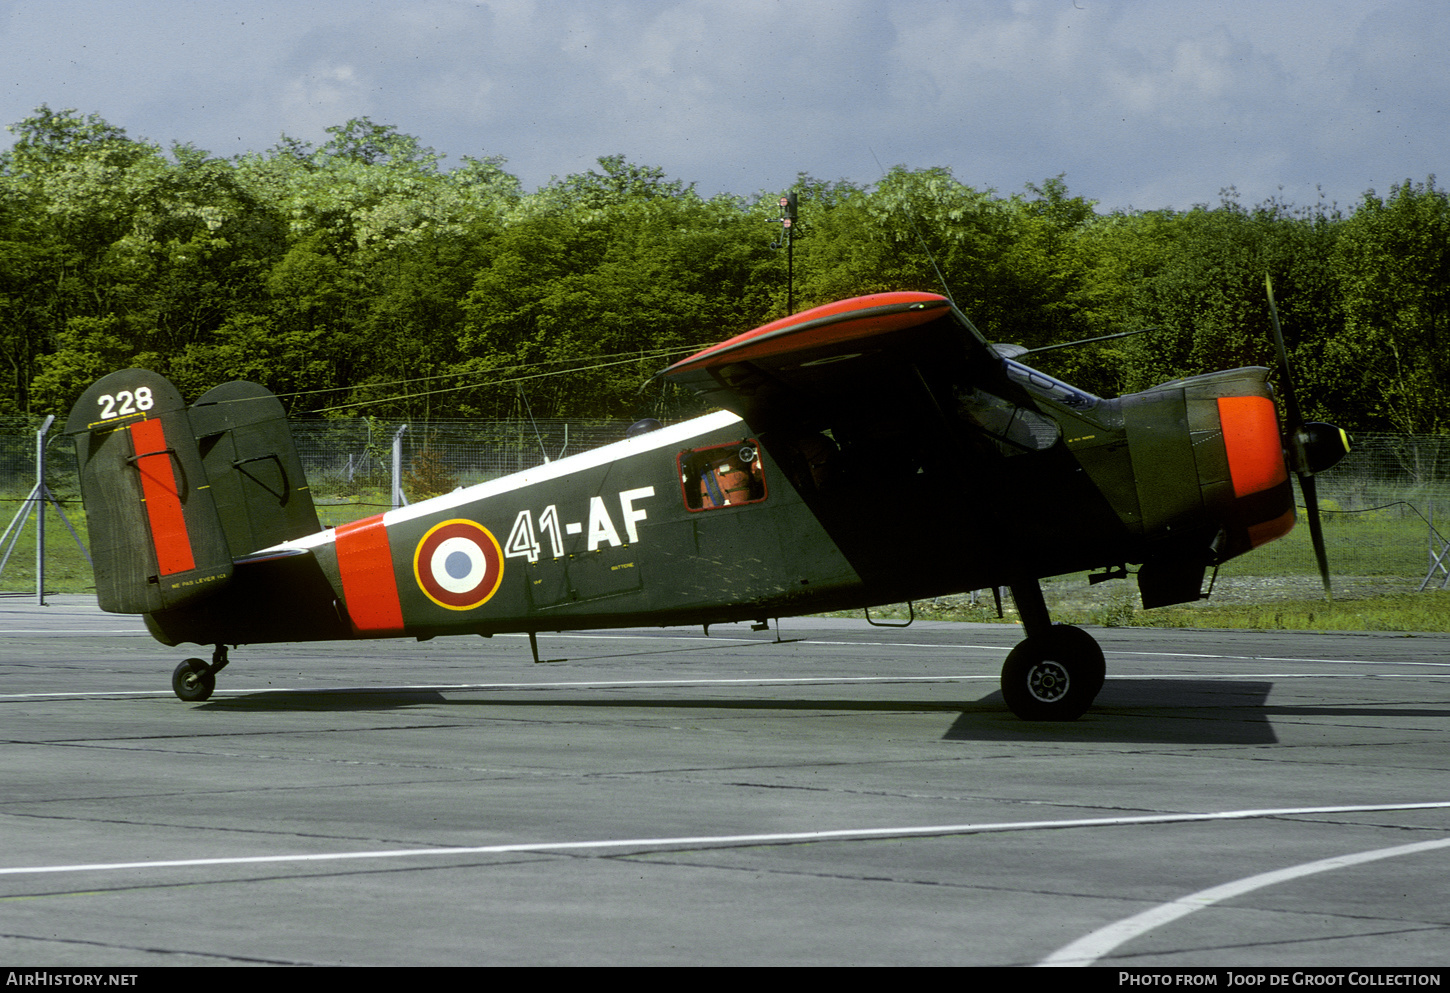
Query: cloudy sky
[{"x": 1141, "y": 103}]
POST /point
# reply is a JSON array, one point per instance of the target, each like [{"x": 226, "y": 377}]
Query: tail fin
[
  {"x": 172, "y": 495},
  {"x": 256, "y": 478},
  {"x": 156, "y": 540}
]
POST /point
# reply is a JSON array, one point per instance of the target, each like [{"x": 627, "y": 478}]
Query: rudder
[{"x": 156, "y": 539}]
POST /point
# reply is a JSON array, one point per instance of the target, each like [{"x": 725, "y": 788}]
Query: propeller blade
[
  {"x": 1291, "y": 401},
  {"x": 1316, "y": 530},
  {"x": 1297, "y": 438}
]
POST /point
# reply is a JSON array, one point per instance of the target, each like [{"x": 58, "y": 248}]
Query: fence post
[
  {"x": 398, "y": 499},
  {"x": 41, "y": 492},
  {"x": 1439, "y": 550}
]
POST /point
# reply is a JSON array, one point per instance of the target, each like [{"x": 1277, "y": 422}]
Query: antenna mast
[{"x": 789, "y": 215}]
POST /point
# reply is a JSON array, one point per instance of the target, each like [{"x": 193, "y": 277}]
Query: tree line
[{"x": 359, "y": 277}]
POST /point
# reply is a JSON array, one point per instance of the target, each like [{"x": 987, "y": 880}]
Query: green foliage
[
  {"x": 1011, "y": 264},
  {"x": 1202, "y": 294},
  {"x": 642, "y": 267},
  {"x": 87, "y": 349},
  {"x": 429, "y": 475},
  {"x": 1392, "y": 265},
  {"x": 360, "y": 275},
  {"x": 1392, "y": 612}
]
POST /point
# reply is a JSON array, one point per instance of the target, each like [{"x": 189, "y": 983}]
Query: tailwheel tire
[
  {"x": 1053, "y": 678},
  {"x": 192, "y": 681}
]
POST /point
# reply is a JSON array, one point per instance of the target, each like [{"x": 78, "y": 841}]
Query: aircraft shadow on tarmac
[
  {"x": 1181, "y": 711},
  {"x": 380, "y": 698}
]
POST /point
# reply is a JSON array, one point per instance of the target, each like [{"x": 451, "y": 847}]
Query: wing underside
[{"x": 868, "y": 359}]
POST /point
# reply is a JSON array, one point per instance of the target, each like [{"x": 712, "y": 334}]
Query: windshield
[{"x": 1041, "y": 384}]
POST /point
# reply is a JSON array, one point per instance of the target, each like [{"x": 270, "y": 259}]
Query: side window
[
  {"x": 723, "y": 476},
  {"x": 1013, "y": 429}
]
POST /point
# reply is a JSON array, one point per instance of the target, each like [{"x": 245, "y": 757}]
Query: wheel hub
[{"x": 1048, "y": 681}]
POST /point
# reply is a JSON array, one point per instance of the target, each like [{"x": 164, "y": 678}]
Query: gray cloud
[{"x": 1141, "y": 104}]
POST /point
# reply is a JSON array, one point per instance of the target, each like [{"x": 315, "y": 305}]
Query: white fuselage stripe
[{"x": 674, "y": 435}]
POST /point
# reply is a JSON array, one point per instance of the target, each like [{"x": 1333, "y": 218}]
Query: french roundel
[{"x": 458, "y": 564}]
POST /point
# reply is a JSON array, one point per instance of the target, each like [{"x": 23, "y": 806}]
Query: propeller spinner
[{"x": 1310, "y": 447}]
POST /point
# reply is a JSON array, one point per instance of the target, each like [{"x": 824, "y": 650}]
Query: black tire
[
  {"x": 192, "y": 682},
  {"x": 1053, "y": 678},
  {"x": 1076, "y": 641}
]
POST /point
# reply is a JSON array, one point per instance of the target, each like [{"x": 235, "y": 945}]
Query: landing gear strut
[
  {"x": 1057, "y": 672},
  {"x": 194, "y": 680}
]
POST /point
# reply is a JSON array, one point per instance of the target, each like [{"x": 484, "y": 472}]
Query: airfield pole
[
  {"x": 399, "y": 500},
  {"x": 1439, "y": 552},
  {"x": 39, "y": 495},
  {"x": 789, "y": 215},
  {"x": 789, "y": 225}
]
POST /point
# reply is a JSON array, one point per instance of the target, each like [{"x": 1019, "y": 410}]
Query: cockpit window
[
  {"x": 722, "y": 476},
  {"x": 1015, "y": 429}
]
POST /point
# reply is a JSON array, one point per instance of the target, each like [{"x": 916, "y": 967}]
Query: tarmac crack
[{"x": 149, "y": 950}]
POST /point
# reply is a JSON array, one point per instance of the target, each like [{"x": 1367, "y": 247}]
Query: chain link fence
[
  {"x": 1385, "y": 511},
  {"x": 1385, "y": 508},
  {"x": 350, "y": 463}
]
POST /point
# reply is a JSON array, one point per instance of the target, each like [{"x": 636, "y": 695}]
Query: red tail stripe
[
  {"x": 368, "y": 583},
  {"x": 163, "y": 499}
]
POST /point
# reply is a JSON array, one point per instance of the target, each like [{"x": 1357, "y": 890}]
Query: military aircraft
[{"x": 873, "y": 450}]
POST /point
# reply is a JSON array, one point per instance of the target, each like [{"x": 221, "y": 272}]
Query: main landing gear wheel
[
  {"x": 1054, "y": 677},
  {"x": 193, "y": 681}
]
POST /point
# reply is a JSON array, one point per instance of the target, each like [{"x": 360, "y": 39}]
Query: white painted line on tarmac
[
  {"x": 1267, "y": 658},
  {"x": 80, "y": 633},
  {"x": 727, "y": 840},
  {"x": 1090, "y": 948},
  {"x": 567, "y": 684},
  {"x": 604, "y": 636},
  {"x": 954, "y": 646},
  {"x": 646, "y": 683},
  {"x": 945, "y": 646},
  {"x": 958, "y": 646},
  {"x": 768, "y": 641},
  {"x": 1243, "y": 676}
]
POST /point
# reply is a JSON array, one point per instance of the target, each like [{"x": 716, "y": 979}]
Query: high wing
[
  {"x": 869, "y": 358},
  {"x": 907, "y": 433},
  {"x": 901, "y": 380}
]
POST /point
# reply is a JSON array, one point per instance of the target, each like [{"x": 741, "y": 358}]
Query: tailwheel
[
  {"x": 1055, "y": 676},
  {"x": 193, "y": 681}
]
